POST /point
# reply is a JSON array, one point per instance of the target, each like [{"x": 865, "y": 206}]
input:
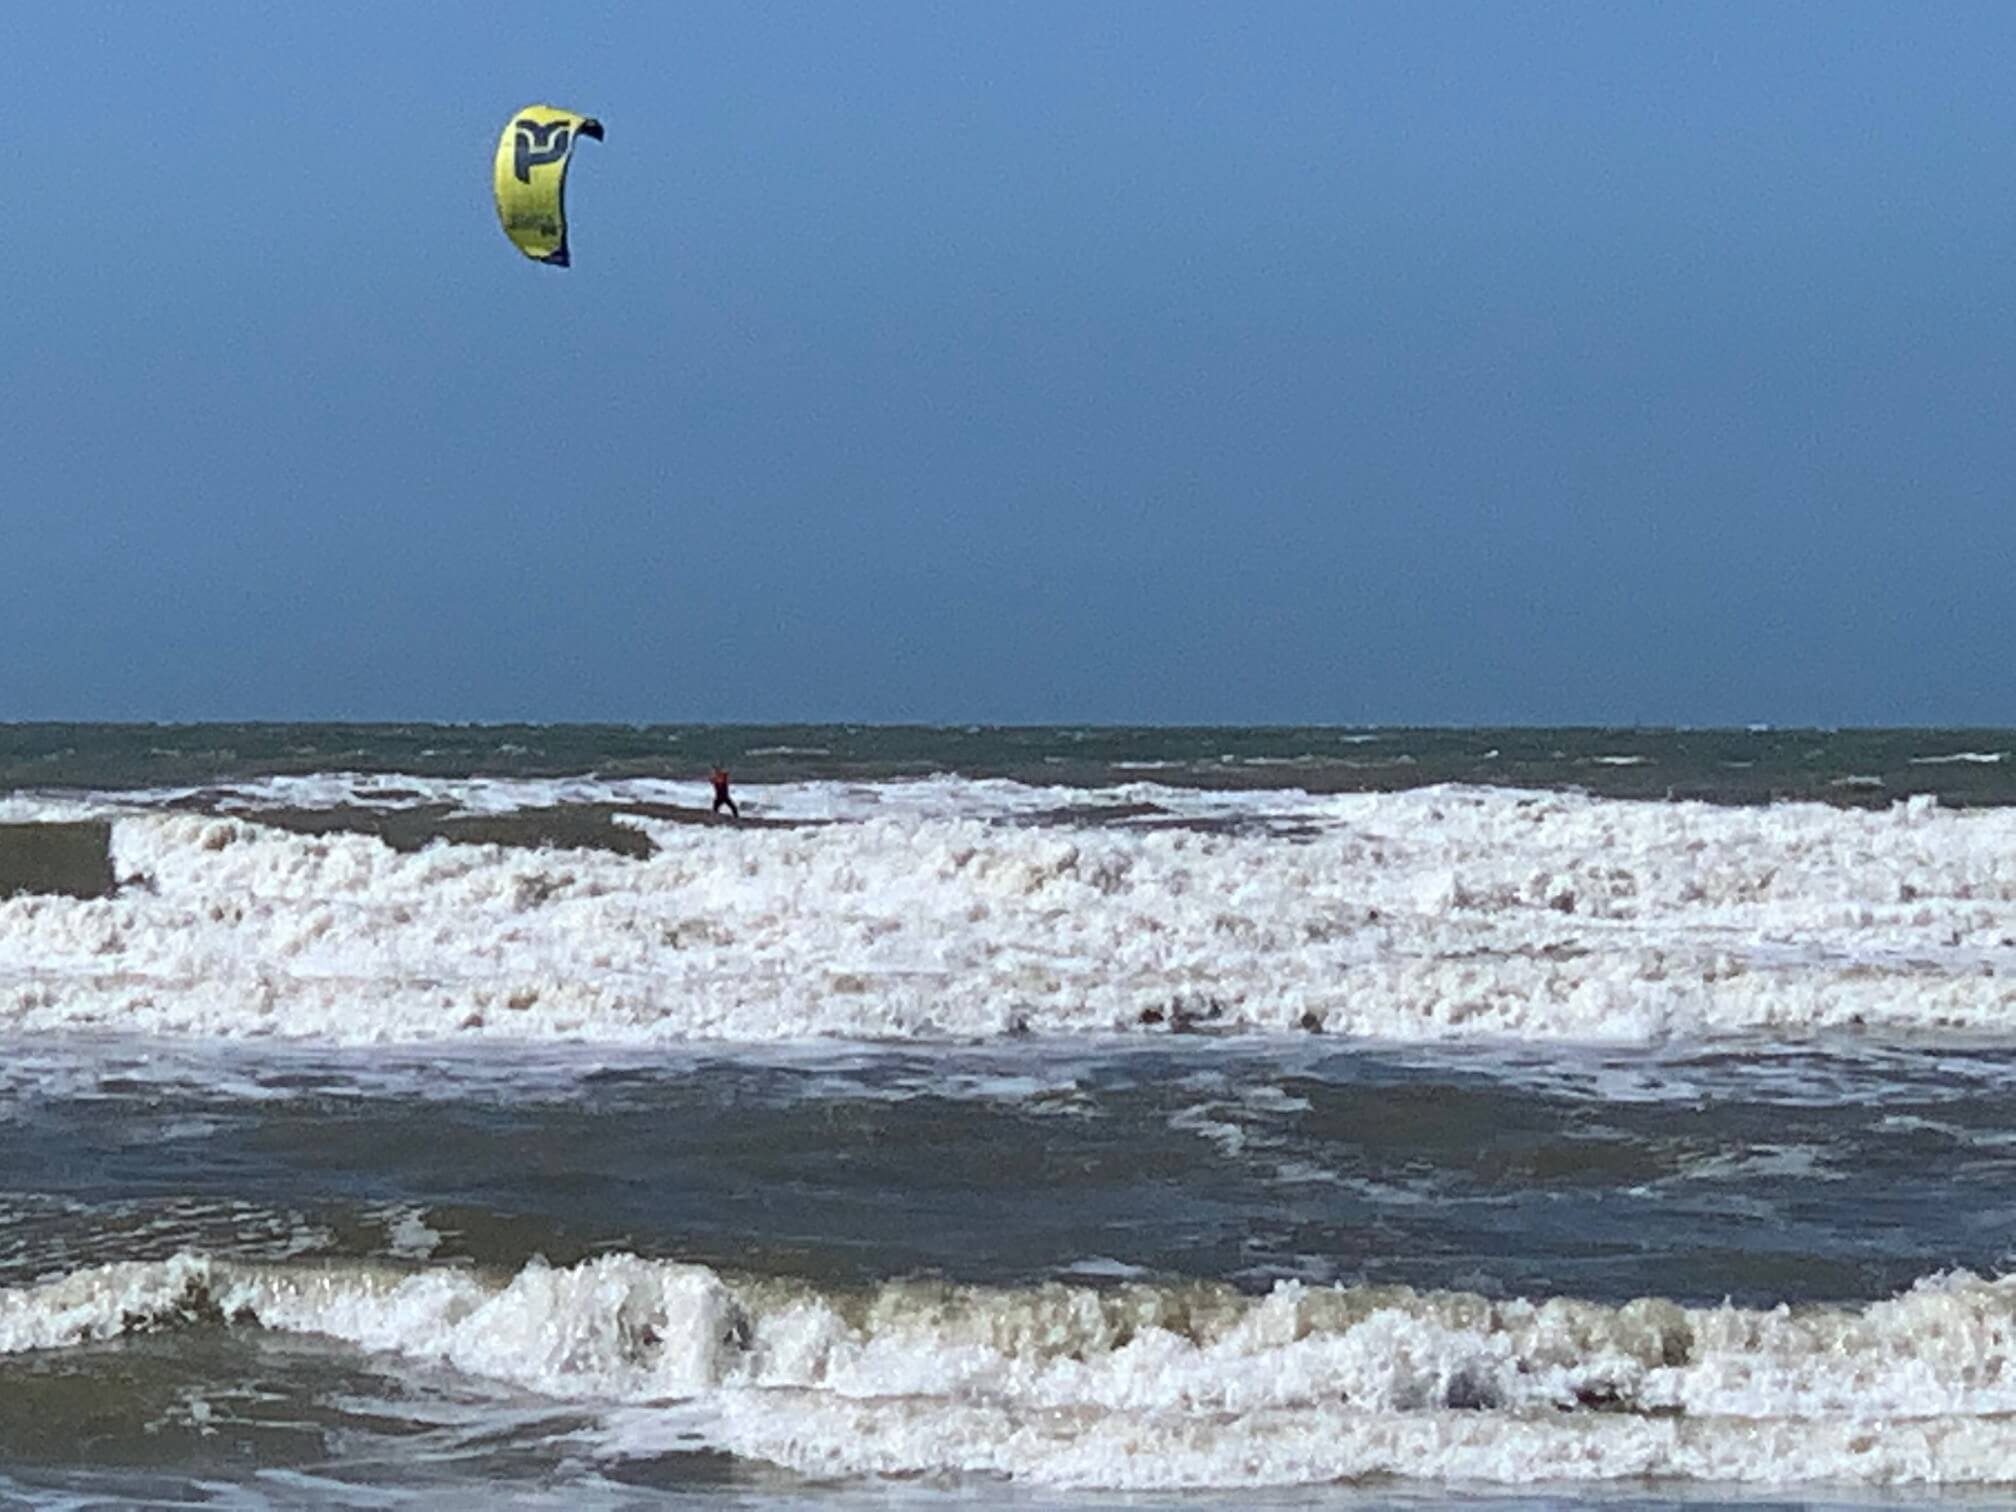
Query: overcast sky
[{"x": 1153, "y": 362}]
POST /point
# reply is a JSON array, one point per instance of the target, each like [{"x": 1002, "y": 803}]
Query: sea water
[{"x": 1095, "y": 1118}]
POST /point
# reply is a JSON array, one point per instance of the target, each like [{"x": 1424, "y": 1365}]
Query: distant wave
[{"x": 1758, "y": 766}]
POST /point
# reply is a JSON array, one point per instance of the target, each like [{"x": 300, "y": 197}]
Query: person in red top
[{"x": 721, "y": 798}]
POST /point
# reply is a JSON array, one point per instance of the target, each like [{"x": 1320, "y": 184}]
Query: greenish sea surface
[{"x": 1851, "y": 766}]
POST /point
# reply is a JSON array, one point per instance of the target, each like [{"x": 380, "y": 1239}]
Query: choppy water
[
  {"x": 1750, "y": 765},
  {"x": 991, "y": 1132}
]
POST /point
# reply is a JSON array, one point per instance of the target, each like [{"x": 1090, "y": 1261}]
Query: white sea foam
[
  {"x": 930, "y": 912},
  {"x": 1140, "y": 1386}
]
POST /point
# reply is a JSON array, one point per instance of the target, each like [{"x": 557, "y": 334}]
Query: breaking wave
[
  {"x": 974, "y": 911},
  {"x": 1143, "y": 1385}
]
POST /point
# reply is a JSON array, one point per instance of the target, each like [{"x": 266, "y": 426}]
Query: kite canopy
[{"x": 530, "y": 177}]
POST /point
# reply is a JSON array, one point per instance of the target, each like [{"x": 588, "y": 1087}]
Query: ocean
[{"x": 456, "y": 1116}]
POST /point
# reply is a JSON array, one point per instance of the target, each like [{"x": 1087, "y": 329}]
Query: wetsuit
[{"x": 721, "y": 798}]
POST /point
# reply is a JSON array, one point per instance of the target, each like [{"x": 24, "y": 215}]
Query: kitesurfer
[{"x": 721, "y": 798}]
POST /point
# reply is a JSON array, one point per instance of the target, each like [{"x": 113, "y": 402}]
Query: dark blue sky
[{"x": 1108, "y": 362}]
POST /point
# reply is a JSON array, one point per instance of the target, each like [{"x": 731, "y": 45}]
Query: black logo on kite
[{"x": 536, "y": 144}]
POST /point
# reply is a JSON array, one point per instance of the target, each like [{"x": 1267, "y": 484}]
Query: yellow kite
[{"x": 531, "y": 178}]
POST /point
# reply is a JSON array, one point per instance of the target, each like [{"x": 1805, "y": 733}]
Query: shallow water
[
  {"x": 1762, "y": 1177},
  {"x": 992, "y": 1234}
]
